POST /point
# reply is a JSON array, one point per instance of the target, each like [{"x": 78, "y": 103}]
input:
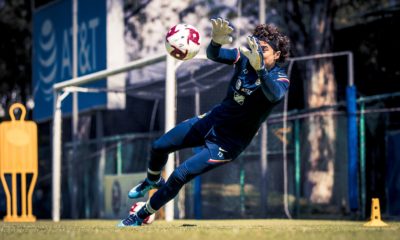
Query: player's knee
[
  {"x": 159, "y": 146},
  {"x": 180, "y": 175}
]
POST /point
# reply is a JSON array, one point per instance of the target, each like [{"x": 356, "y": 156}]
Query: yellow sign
[{"x": 18, "y": 155}]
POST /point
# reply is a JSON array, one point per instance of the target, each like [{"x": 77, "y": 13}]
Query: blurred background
[{"x": 298, "y": 166}]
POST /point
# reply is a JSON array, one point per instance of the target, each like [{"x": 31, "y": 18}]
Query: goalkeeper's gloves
[
  {"x": 255, "y": 54},
  {"x": 221, "y": 31}
]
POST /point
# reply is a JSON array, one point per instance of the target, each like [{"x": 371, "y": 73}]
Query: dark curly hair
[{"x": 270, "y": 34}]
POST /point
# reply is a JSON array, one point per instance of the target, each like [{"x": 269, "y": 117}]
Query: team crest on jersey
[
  {"x": 238, "y": 98},
  {"x": 238, "y": 84},
  {"x": 258, "y": 81}
]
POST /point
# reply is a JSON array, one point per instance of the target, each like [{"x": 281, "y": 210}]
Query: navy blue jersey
[{"x": 250, "y": 98}]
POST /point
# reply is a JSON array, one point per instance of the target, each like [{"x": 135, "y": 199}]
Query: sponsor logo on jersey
[
  {"x": 246, "y": 90},
  {"x": 238, "y": 98}
]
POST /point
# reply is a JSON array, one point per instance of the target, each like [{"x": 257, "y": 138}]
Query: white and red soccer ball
[
  {"x": 136, "y": 207},
  {"x": 183, "y": 41}
]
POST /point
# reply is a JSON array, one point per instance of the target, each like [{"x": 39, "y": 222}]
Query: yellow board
[
  {"x": 375, "y": 220},
  {"x": 18, "y": 155}
]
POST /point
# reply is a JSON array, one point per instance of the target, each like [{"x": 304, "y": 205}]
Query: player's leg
[
  {"x": 209, "y": 158},
  {"x": 181, "y": 136},
  {"x": 184, "y": 135}
]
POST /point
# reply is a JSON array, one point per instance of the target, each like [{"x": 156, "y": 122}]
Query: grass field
[{"x": 201, "y": 230}]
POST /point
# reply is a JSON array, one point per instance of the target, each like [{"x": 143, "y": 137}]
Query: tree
[
  {"x": 311, "y": 26},
  {"x": 15, "y": 49}
]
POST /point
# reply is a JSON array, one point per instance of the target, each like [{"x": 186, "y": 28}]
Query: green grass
[{"x": 199, "y": 230}]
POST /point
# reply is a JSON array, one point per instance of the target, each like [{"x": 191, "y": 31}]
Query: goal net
[{"x": 273, "y": 177}]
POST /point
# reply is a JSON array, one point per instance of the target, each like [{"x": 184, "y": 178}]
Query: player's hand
[
  {"x": 221, "y": 31},
  {"x": 255, "y": 54}
]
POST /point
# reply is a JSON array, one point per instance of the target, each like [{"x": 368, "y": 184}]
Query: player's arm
[
  {"x": 220, "y": 35},
  {"x": 223, "y": 55},
  {"x": 274, "y": 85}
]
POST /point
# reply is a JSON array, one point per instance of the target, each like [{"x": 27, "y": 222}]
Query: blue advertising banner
[{"x": 52, "y": 53}]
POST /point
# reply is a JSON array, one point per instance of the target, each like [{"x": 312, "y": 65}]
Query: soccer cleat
[
  {"x": 142, "y": 188},
  {"x": 131, "y": 221}
]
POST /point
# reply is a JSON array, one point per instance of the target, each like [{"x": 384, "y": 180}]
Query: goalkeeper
[{"x": 258, "y": 84}]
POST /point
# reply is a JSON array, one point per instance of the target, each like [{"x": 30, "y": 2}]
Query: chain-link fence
[{"x": 316, "y": 170}]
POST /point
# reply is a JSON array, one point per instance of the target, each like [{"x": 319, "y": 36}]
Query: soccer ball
[
  {"x": 136, "y": 207},
  {"x": 182, "y": 41}
]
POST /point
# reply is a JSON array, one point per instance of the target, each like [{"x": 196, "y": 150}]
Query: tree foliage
[{"x": 15, "y": 50}]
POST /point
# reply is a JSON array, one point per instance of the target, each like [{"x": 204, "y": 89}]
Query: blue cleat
[
  {"x": 142, "y": 188},
  {"x": 131, "y": 221}
]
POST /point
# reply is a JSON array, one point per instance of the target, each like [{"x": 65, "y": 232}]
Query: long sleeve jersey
[{"x": 249, "y": 100}]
